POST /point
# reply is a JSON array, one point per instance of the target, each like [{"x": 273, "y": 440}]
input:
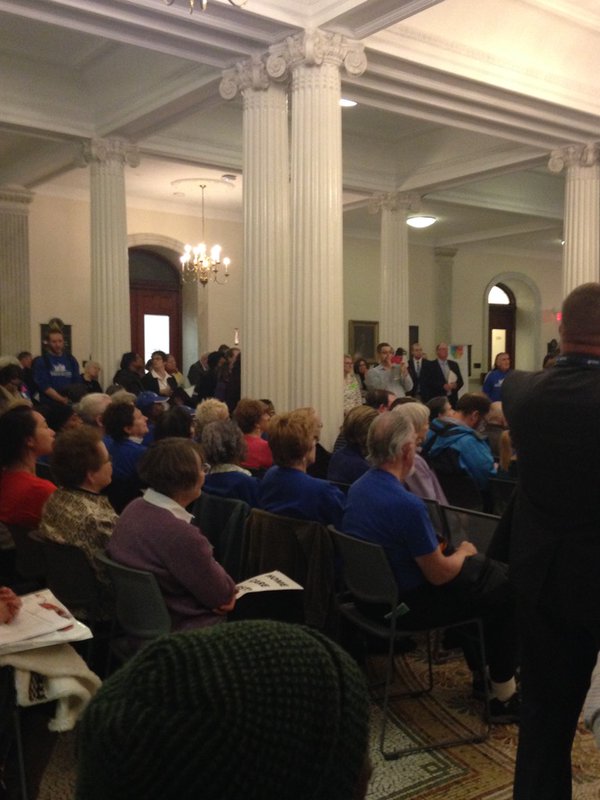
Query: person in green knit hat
[{"x": 258, "y": 710}]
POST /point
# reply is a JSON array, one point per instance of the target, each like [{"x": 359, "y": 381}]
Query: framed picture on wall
[{"x": 362, "y": 339}]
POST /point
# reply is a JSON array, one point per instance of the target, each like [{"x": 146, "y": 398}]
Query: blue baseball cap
[{"x": 146, "y": 399}]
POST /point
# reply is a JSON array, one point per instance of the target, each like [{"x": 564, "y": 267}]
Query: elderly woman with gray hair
[
  {"x": 422, "y": 481},
  {"x": 224, "y": 449}
]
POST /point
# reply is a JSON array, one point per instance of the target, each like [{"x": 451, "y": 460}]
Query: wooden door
[{"x": 159, "y": 305}]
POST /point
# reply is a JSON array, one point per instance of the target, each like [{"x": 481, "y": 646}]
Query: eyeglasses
[{"x": 205, "y": 468}]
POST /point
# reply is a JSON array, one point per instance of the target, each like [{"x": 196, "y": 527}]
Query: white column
[
  {"x": 581, "y": 252},
  {"x": 444, "y": 262},
  {"x": 111, "y": 327},
  {"x": 15, "y": 306},
  {"x": 317, "y": 260},
  {"x": 393, "y": 305},
  {"x": 265, "y": 331}
]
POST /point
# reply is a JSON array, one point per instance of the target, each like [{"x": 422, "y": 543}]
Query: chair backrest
[
  {"x": 366, "y": 569},
  {"x": 70, "y": 576},
  {"x": 436, "y": 517},
  {"x": 474, "y": 526},
  {"x": 303, "y": 551},
  {"x": 31, "y": 558},
  {"x": 140, "y": 605},
  {"x": 222, "y": 520},
  {"x": 460, "y": 489}
]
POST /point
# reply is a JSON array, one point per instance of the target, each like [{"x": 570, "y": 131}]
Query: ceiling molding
[
  {"x": 495, "y": 233},
  {"x": 472, "y": 63},
  {"x": 398, "y": 85}
]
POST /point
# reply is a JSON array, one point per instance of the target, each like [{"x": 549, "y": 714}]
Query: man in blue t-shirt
[
  {"x": 55, "y": 370},
  {"x": 436, "y": 582}
]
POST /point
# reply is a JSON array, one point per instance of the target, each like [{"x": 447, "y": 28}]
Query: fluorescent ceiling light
[
  {"x": 347, "y": 103},
  {"x": 420, "y": 221}
]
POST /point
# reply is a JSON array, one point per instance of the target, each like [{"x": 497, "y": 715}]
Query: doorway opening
[
  {"x": 155, "y": 300},
  {"x": 502, "y": 314}
]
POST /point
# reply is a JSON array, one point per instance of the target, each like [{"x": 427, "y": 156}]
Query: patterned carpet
[{"x": 471, "y": 772}]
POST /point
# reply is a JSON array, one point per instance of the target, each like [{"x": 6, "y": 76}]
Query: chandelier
[
  {"x": 198, "y": 265},
  {"x": 204, "y": 3}
]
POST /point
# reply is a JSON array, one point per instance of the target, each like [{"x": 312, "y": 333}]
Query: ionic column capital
[
  {"x": 313, "y": 48},
  {"x": 15, "y": 199},
  {"x": 110, "y": 151},
  {"x": 582, "y": 155},
  {"x": 392, "y": 201},
  {"x": 250, "y": 74}
]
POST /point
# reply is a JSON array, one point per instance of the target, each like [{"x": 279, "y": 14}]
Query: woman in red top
[
  {"x": 253, "y": 418},
  {"x": 24, "y": 437}
]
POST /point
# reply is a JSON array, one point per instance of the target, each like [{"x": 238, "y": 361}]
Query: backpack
[{"x": 446, "y": 461}]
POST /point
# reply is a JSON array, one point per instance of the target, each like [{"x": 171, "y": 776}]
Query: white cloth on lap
[{"x": 52, "y": 673}]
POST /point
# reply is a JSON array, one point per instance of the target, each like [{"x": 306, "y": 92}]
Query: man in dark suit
[
  {"x": 441, "y": 377},
  {"x": 554, "y": 544},
  {"x": 415, "y": 365}
]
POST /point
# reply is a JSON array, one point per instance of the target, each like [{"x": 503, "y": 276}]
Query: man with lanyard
[
  {"x": 554, "y": 544},
  {"x": 55, "y": 370}
]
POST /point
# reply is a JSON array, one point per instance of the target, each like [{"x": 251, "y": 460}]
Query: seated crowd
[{"x": 128, "y": 465}]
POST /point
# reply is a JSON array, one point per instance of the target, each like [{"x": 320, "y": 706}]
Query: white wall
[
  {"x": 59, "y": 231},
  {"x": 537, "y": 286},
  {"x": 59, "y": 255}
]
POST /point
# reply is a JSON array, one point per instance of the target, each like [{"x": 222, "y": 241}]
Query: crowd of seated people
[{"x": 164, "y": 454}]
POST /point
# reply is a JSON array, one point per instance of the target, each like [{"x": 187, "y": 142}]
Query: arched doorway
[
  {"x": 502, "y": 314},
  {"x": 155, "y": 301},
  {"x": 528, "y": 319}
]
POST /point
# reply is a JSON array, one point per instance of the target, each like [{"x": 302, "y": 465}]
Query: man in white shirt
[{"x": 391, "y": 377}]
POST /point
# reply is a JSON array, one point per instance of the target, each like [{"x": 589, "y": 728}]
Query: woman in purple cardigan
[{"x": 154, "y": 533}]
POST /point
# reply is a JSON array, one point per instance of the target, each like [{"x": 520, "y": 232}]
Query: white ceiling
[{"x": 461, "y": 103}]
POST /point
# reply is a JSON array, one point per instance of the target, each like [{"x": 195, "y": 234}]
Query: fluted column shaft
[
  {"x": 266, "y": 288},
  {"x": 581, "y": 252},
  {"x": 15, "y": 322},
  {"x": 317, "y": 343},
  {"x": 111, "y": 327},
  {"x": 444, "y": 262},
  {"x": 393, "y": 306}
]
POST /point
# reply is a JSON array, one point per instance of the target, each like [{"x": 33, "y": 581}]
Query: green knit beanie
[{"x": 257, "y": 710}]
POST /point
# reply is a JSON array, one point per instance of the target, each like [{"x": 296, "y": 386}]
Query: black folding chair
[
  {"x": 473, "y": 526},
  {"x": 140, "y": 607},
  {"x": 369, "y": 579}
]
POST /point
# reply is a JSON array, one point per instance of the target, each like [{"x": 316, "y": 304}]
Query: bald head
[{"x": 580, "y": 326}]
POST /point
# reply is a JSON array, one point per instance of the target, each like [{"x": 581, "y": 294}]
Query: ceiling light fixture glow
[
  {"x": 421, "y": 221},
  {"x": 345, "y": 103}
]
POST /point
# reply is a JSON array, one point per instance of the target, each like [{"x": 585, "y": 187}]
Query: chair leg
[
  {"x": 20, "y": 753},
  {"x": 392, "y": 755}
]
